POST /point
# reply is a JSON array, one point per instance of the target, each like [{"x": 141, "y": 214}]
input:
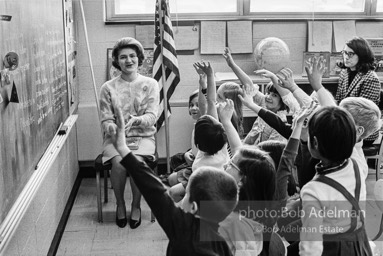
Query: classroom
[{"x": 73, "y": 72}]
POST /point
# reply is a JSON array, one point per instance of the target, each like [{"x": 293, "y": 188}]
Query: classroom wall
[
  {"x": 102, "y": 36},
  {"x": 37, "y": 227}
]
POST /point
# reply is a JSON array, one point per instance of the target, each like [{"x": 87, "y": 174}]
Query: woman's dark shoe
[
  {"x": 121, "y": 222},
  {"x": 135, "y": 223}
]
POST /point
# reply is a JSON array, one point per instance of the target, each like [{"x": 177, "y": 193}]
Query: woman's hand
[{"x": 118, "y": 137}]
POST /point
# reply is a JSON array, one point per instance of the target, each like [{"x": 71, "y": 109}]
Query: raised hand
[
  {"x": 227, "y": 55},
  {"x": 247, "y": 98},
  {"x": 315, "y": 68},
  {"x": 268, "y": 74},
  {"x": 286, "y": 77},
  {"x": 205, "y": 67},
  {"x": 226, "y": 110}
]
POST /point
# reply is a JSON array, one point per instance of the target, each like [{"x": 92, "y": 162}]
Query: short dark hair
[
  {"x": 366, "y": 56},
  {"x": 127, "y": 42},
  {"x": 270, "y": 88},
  {"x": 335, "y": 131},
  {"x": 216, "y": 189},
  {"x": 209, "y": 135}
]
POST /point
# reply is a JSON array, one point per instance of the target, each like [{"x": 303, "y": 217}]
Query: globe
[{"x": 272, "y": 54}]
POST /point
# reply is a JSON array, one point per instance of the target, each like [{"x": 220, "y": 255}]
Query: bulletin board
[{"x": 33, "y": 96}]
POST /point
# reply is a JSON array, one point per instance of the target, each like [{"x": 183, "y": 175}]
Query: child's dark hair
[
  {"x": 209, "y": 135},
  {"x": 334, "y": 129},
  {"x": 366, "y": 56},
  {"x": 259, "y": 178},
  {"x": 214, "y": 191},
  {"x": 127, "y": 42},
  {"x": 271, "y": 89},
  {"x": 274, "y": 148}
]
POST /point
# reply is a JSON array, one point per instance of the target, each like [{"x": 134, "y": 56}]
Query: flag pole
[{"x": 164, "y": 90}]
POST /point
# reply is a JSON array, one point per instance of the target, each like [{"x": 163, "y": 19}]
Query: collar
[{"x": 321, "y": 170}]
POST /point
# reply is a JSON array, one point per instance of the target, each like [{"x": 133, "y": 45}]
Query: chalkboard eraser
[{"x": 63, "y": 130}]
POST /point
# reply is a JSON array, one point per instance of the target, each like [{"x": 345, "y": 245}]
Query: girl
[
  {"x": 277, "y": 99},
  {"x": 139, "y": 97}
]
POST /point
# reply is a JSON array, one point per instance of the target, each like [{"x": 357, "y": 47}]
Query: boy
[{"x": 193, "y": 231}]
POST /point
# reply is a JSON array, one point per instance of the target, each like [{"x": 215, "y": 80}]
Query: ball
[{"x": 272, "y": 54}]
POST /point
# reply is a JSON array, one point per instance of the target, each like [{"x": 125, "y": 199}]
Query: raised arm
[
  {"x": 225, "y": 111},
  {"x": 211, "y": 88},
  {"x": 242, "y": 76},
  {"x": 202, "y": 104},
  {"x": 169, "y": 216},
  {"x": 268, "y": 74},
  {"x": 286, "y": 77},
  {"x": 315, "y": 69}
]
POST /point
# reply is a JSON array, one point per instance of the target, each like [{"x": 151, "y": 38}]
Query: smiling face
[
  {"x": 194, "y": 109},
  {"x": 350, "y": 59},
  {"x": 128, "y": 60},
  {"x": 273, "y": 102}
]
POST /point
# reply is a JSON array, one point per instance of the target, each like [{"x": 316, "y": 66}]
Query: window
[
  {"x": 307, "y": 6},
  {"x": 143, "y": 10},
  {"x": 182, "y": 9},
  {"x": 379, "y": 6}
]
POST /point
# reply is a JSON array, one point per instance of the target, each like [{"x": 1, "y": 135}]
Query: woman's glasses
[{"x": 349, "y": 54}]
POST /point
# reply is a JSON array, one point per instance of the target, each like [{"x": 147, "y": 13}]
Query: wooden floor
[{"x": 85, "y": 236}]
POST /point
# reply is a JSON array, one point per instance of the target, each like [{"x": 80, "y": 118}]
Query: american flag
[{"x": 166, "y": 55}]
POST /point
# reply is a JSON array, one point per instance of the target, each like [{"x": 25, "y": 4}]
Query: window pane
[
  {"x": 379, "y": 6},
  {"x": 307, "y": 6},
  {"x": 176, "y": 6}
]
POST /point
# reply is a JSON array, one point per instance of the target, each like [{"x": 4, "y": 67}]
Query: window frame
[{"x": 243, "y": 13}]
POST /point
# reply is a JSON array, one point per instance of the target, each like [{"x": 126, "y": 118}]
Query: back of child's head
[
  {"x": 270, "y": 88},
  {"x": 274, "y": 148},
  {"x": 231, "y": 90},
  {"x": 258, "y": 172},
  {"x": 209, "y": 135},
  {"x": 365, "y": 113},
  {"x": 334, "y": 129},
  {"x": 214, "y": 191}
]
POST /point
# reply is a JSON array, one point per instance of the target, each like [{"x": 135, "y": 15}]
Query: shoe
[
  {"x": 135, "y": 223},
  {"x": 121, "y": 222}
]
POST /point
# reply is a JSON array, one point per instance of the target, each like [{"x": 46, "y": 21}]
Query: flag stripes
[{"x": 165, "y": 55}]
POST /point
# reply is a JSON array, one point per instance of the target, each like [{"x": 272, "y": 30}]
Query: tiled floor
[{"x": 85, "y": 236}]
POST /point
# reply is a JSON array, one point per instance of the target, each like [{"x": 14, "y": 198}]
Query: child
[
  {"x": 332, "y": 138},
  {"x": 182, "y": 161},
  {"x": 209, "y": 137},
  {"x": 277, "y": 99},
  {"x": 193, "y": 230}
]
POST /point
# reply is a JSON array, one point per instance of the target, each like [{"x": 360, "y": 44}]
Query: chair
[
  {"x": 276, "y": 246},
  {"x": 378, "y": 192},
  {"x": 375, "y": 152},
  {"x": 105, "y": 168}
]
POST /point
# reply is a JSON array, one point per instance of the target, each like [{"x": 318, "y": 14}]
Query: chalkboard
[{"x": 35, "y": 32}]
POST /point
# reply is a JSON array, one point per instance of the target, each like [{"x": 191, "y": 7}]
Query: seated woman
[{"x": 139, "y": 96}]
